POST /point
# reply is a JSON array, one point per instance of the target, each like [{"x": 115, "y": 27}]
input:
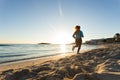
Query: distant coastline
[
  {"x": 115, "y": 39},
  {"x": 45, "y": 43},
  {"x": 5, "y": 45}
]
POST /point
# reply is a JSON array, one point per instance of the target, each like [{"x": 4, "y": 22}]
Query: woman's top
[{"x": 78, "y": 34}]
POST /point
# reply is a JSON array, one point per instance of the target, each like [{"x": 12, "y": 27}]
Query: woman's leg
[
  {"x": 78, "y": 49},
  {"x": 75, "y": 45},
  {"x": 79, "y": 46}
]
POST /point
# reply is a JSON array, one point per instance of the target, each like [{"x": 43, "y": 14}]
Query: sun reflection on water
[{"x": 63, "y": 48}]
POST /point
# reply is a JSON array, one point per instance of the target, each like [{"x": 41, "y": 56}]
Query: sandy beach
[
  {"x": 97, "y": 64},
  {"x": 59, "y": 39}
]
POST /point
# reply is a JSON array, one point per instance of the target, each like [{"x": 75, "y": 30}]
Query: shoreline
[
  {"x": 14, "y": 57},
  {"x": 32, "y": 58},
  {"x": 29, "y": 62},
  {"x": 40, "y": 57}
]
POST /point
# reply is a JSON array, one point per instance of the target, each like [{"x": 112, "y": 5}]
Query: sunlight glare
[
  {"x": 63, "y": 48},
  {"x": 62, "y": 38}
]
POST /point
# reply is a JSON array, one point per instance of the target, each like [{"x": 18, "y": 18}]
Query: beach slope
[{"x": 97, "y": 64}]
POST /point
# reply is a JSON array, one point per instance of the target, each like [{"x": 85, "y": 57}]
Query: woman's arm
[{"x": 74, "y": 35}]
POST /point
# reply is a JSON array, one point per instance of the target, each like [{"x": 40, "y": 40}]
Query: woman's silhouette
[{"x": 77, "y": 35}]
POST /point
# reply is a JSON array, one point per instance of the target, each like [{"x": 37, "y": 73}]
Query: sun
[{"x": 62, "y": 38}]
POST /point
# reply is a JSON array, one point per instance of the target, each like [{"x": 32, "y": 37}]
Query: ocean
[{"x": 18, "y": 52}]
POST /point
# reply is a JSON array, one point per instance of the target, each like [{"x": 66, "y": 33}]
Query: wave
[
  {"x": 5, "y": 45},
  {"x": 11, "y": 56}
]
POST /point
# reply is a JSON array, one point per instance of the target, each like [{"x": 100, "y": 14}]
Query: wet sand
[{"x": 31, "y": 62}]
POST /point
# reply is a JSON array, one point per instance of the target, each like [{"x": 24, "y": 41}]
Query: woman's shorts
[{"x": 78, "y": 41}]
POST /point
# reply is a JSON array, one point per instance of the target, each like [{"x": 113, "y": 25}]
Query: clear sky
[{"x": 34, "y": 21}]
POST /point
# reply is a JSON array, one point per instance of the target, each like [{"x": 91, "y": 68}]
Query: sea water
[{"x": 18, "y": 52}]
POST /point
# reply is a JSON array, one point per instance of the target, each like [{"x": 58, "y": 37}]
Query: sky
[{"x": 35, "y": 21}]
